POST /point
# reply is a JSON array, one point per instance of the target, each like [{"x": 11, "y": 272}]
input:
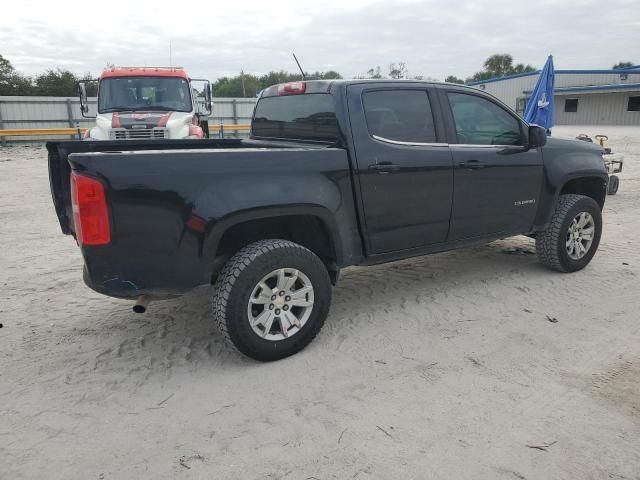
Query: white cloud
[{"x": 435, "y": 38}]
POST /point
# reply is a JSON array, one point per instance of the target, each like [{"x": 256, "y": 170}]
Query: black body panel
[
  {"x": 169, "y": 209},
  {"x": 171, "y": 202},
  {"x": 406, "y": 188}
]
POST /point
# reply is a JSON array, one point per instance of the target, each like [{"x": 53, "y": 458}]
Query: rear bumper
[
  {"x": 128, "y": 290},
  {"x": 119, "y": 274}
]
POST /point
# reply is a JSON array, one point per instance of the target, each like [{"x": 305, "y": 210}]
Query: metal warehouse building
[{"x": 582, "y": 97}]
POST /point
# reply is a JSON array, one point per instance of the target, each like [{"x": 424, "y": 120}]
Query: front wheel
[
  {"x": 271, "y": 299},
  {"x": 573, "y": 235}
]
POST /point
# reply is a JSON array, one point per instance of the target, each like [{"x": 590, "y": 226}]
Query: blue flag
[{"x": 540, "y": 107}]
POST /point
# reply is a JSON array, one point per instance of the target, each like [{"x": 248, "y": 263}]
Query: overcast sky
[{"x": 435, "y": 38}]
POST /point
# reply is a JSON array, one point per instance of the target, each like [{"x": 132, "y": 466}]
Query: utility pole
[{"x": 244, "y": 93}]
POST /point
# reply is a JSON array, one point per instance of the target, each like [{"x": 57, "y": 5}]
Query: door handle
[
  {"x": 472, "y": 165},
  {"x": 384, "y": 167}
]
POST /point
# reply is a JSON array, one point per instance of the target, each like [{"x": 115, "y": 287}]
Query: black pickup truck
[{"x": 336, "y": 173}]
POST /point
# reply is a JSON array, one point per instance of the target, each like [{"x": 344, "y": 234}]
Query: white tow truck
[{"x": 148, "y": 103}]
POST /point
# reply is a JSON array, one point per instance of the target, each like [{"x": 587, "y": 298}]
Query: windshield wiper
[
  {"x": 147, "y": 108},
  {"x": 117, "y": 109},
  {"x": 159, "y": 107}
]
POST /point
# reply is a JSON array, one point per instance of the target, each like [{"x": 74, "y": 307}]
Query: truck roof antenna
[{"x": 304, "y": 77}]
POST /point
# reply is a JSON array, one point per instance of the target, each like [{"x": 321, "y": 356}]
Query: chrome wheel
[
  {"x": 580, "y": 235},
  {"x": 280, "y": 304}
]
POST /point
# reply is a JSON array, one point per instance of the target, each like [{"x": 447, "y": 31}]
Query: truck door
[
  {"x": 403, "y": 163},
  {"x": 497, "y": 179}
]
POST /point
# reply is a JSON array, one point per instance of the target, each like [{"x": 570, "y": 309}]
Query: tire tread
[
  {"x": 547, "y": 241},
  {"x": 232, "y": 270}
]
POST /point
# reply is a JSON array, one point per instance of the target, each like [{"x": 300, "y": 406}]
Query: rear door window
[{"x": 400, "y": 115}]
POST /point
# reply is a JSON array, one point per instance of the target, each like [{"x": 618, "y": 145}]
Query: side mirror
[
  {"x": 207, "y": 98},
  {"x": 84, "y": 103},
  {"x": 537, "y": 136},
  {"x": 203, "y": 99}
]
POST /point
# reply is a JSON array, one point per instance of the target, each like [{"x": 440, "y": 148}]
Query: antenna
[
  {"x": 170, "y": 55},
  {"x": 304, "y": 77}
]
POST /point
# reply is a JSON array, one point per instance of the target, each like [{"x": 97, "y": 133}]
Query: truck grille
[{"x": 137, "y": 133}]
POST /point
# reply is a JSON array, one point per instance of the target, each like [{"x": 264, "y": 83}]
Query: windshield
[{"x": 144, "y": 93}]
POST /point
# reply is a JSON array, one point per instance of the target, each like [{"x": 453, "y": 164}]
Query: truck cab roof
[
  {"x": 325, "y": 86},
  {"x": 176, "y": 72}
]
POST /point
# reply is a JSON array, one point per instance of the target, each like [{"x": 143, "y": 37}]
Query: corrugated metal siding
[
  {"x": 597, "y": 109},
  {"x": 41, "y": 112},
  {"x": 510, "y": 90},
  {"x": 223, "y": 110},
  {"x": 53, "y": 112},
  {"x": 584, "y": 79}
]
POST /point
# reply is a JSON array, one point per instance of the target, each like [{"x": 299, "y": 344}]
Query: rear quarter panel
[{"x": 169, "y": 209}]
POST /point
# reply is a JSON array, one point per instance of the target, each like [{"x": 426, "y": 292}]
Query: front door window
[{"x": 481, "y": 122}]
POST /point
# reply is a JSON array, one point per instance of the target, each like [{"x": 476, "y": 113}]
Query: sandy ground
[{"x": 444, "y": 367}]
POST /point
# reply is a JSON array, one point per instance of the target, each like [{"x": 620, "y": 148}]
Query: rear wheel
[
  {"x": 271, "y": 299},
  {"x": 573, "y": 235},
  {"x": 613, "y": 185}
]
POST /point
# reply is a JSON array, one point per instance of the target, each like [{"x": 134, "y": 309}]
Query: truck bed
[
  {"x": 171, "y": 201},
  {"x": 59, "y": 168}
]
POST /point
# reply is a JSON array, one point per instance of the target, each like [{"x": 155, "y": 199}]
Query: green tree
[
  {"x": 56, "y": 83},
  {"x": 5, "y": 66},
  {"x": 243, "y": 85},
  {"x": 398, "y": 71},
  {"x": 247, "y": 85},
  {"x": 622, "y": 65},
  {"x": 375, "y": 73},
  {"x": 522, "y": 68},
  {"x": 273, "y": 78},
  {"x": 499, "y": 65},
  {"x": 454, "y": 79},
  {"x": 12, "y": 82},
  {"x": 91, "y": 84},
  {"x": 329, "y": 75},
  {"x": 478, "y": 76}
]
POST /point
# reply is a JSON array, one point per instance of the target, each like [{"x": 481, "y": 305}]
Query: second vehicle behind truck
[{"x": 142, "y": 103}]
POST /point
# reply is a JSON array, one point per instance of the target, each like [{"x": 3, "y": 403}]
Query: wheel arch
[
  {"x": 593, "y": 186},
  {"x": 589, "y": 186},
  {"x": 313, "y": 227}
]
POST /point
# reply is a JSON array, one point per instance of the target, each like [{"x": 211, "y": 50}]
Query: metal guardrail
[
  {"x": 32, "y": 113},
  {"x": 220, "y": 128},
  {"x": 35, "y": 132}
]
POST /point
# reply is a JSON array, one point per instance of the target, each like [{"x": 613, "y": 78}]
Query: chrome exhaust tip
[{"x": 142, "y": 303}]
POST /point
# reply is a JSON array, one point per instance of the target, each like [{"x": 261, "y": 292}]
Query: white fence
[{"x": 64, "y": 112}]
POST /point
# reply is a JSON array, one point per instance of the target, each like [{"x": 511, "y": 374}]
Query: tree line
[
  {"x": 53, "y": 83},
  {"x": 501, "y": 64},
  {"x": 497, "y": 65},
  {"x": 62, "y": 83},
  {"x": 249, "y": 85}
]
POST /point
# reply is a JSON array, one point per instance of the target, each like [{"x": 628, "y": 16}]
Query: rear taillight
[
  {"x": 90, "y": 212},
  {"x": 292, "y": 88}
]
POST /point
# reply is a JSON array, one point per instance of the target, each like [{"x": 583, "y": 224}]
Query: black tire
[
  {"x": 551, "y": 244},
  {"x": 613, "y": 185},
  {"x": 240, "y": 276}
]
